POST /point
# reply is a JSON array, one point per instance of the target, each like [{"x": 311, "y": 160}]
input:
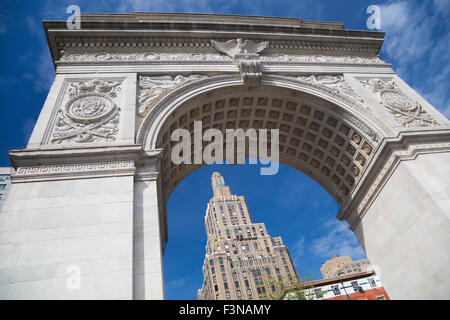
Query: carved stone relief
[
  {"x": 141, "y": 56},
  {"x": 406, "y": 111},
  {"x": 246, "y": 55},
  {"x": 155, "y": 57},
  {"x": 90, "y": 115},
  {"x": 335, "y": 83},
  {"x": 348, "y": 59},
  {"x": 240, "y": 48},
  {"x": 152, "y": 89}
]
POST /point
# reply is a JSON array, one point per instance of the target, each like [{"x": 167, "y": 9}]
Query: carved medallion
[
  {"x": 90, "y": 115},
  {"x": 406, "y": 111}
]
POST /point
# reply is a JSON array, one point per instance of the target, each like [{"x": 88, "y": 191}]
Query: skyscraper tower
[{"x": 242, "y": 261}]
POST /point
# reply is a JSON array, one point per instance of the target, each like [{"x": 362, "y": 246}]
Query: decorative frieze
[
  {"x": 322, "y": 59},
  {"x": 141, "y": 57},
  {"x": 152, "y": 89},
  {"x": 184, "y": 57},
  {"x": 90, "y": 115},
  {"x": 406, "y": 111}
]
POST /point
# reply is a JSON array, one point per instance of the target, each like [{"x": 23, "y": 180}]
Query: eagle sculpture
[{"x": 233, "y": 48}]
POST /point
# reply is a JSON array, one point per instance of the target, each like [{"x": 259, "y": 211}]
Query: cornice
[
  {"x": 196, "y": 31},
  {"x": 74, "y": 162}
]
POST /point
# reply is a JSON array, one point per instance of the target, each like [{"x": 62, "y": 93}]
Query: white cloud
[
  {"x": 418, "y": 48},
  {"x": 337, "y": 240},
  {"x": 298, "y": 249},
  {"x": 408, "y": 31},
  {"x": 177, "y": 283}
]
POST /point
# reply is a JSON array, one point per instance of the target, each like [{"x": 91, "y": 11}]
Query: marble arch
[
  {"x": 90, "y": 187},
  {"x": 321, "y": 133}
]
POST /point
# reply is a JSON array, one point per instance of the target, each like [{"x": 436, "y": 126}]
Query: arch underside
[{"x": 316, "y": 137}]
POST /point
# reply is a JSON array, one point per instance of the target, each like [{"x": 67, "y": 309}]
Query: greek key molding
[{"x": 73, "y": 170}]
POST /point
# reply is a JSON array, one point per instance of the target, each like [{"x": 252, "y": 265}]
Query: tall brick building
[{"x": 242, "y": 260}]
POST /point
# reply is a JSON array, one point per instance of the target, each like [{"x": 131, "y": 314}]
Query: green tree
[{"x": 289, "y": 288}]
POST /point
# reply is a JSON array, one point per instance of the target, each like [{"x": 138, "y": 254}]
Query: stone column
[{"x": 149, "y": 235}]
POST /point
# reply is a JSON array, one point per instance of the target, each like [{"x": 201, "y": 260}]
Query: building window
[
  {"x": 227, "y": 294},
  {"x": 224, "y": 277},
  {"x": 213, "y": 270},
  {"x": 239, "y": 293},
  {"x": 2, "y": 186},
  {"x": 214, "y": 279},
  {"x": 355, "y": 286},
  {"x": 225, "y": 285},
  {"x": 216, "y": 288},
  {"x": 217, "y": 296},
  {"x": 318, "y": 293},
  {"x": 244, "y": 274},
  {"x": 222, "y": 267},
  {"x": 249, "y": 292},
  {"x": 284, "y": 260},
  {"x": 282, "y": 253},
  {"x": 211, "y": 262},
  {"x": 236, "y": 284},
  {"x": 247, "y": 284},
  {"x": 336, "y": 290},
  {"x": 286, "y": 268}
]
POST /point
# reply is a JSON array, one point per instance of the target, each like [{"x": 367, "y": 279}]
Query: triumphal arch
[{"x": 85, "y": 217}]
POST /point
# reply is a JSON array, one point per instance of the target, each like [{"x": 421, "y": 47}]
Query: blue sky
[{"x": 417, "y": 44}]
